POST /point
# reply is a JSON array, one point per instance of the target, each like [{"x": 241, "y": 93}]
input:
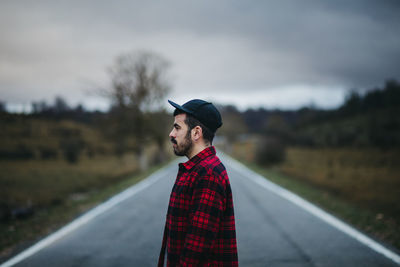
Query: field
[
  {"x": 366, "y": 177},
  {"x": 361, "y": 186},
  {"x": 42, "y": 183}
]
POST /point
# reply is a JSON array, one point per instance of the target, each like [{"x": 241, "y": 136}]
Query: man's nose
[{"x": 171, "y": 134}]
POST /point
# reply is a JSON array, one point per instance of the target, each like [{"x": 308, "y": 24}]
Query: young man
[{"x": 200, "y": 223}]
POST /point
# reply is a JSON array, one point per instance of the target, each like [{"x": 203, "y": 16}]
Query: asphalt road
[{"x": 271, "y": 231}]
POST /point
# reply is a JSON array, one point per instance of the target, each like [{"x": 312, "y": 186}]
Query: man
[{"x": 200, "y": 223}]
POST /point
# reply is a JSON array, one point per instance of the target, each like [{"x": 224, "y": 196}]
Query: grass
[
  {"x": 362, "y": 187},
  {"x": 40, "y": 183},
  {"x": 58, "y": 192},
  {"x": 368, "y": 177}
]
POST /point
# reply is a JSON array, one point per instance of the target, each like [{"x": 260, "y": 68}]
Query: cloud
[{"x": 216, "y": 47}]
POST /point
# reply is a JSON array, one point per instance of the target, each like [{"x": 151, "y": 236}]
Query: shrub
[
  {"x": 22, "y": 151},
  {"x": 270, "y": 151},
  {"x": 47, "y": 153},
  {"x": 71, "y": 149}
]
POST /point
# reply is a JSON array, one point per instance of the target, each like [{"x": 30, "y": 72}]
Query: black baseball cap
[{"x": 202, "y": 110}]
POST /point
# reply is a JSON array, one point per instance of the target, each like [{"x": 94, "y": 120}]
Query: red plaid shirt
[{"x": 200, "y": 224}]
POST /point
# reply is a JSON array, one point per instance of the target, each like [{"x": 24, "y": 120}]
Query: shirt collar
[{"x": 209, "y": 151}]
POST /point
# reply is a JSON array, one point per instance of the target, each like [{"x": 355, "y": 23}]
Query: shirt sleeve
[{"x": 206, "y": 215}]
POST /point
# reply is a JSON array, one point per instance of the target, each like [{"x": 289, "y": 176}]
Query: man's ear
[{"x": 197, "y": 133}]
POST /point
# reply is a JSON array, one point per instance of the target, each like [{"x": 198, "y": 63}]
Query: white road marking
[
  {"x": 328, "y": 218},
  {"x": 87, "y": 217}
]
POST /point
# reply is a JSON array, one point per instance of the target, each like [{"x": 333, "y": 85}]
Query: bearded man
[{"x": 200, "y": 224}]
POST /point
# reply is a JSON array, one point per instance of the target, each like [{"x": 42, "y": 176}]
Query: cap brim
[{"x": 175, "y": 105}]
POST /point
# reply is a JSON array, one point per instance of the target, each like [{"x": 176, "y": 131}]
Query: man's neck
[{"x": 196, "y": 149}]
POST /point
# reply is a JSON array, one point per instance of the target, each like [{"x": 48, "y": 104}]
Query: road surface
[{"x": 274, "y": 228}]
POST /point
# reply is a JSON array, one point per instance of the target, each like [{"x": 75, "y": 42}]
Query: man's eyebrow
[{"x": 176, "y": 125}]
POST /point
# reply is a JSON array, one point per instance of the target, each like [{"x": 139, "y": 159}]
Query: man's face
[{"x": 181, "y": 136}]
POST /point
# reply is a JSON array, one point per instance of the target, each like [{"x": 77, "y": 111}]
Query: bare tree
[
  {"x": 139, "y": 80},
  {"x": 139, "y": 85}
]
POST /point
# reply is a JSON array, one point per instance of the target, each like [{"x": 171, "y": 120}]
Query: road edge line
[
  {"x": 88, "y": 216},
  {"x": 316, "y": 211}
]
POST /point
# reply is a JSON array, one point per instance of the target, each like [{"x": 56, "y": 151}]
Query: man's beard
[{"x": 185, "y": 147}]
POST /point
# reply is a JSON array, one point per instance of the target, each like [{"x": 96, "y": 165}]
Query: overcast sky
[{"x": 275, "y": 54}]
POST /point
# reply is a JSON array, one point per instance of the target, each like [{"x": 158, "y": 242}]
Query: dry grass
[
  {"x": 244, "y": 150},
  {"x": 367, "y": 177},
  {"x": 42, "y": 183}
]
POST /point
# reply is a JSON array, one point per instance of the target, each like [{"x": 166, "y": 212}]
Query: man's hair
[{"x": 192, "y": 122}]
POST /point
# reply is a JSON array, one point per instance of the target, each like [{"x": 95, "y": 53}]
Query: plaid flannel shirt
[{"x": 200, "y": 223}]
